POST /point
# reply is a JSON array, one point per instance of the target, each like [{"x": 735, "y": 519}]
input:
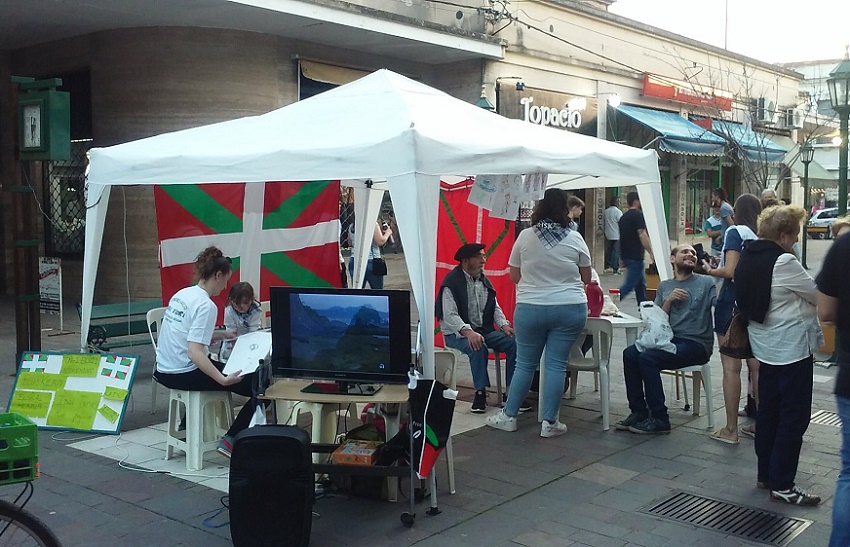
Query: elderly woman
[
  {"x": 777, "y": 297},
  {"x": 550, "y": 264}
]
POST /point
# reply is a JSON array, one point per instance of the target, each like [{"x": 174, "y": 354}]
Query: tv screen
[{"x": 343, "y": 335}]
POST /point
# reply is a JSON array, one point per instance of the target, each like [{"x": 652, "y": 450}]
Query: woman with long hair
[
  {"x": 745, "y": 216},
  {"x": 550, "y": 264},
  {"x": 778, "y": 298},
  {"x": 188, "y": 327}
]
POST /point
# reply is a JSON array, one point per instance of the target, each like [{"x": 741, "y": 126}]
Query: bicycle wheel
[{"x": 18, "y": 528}]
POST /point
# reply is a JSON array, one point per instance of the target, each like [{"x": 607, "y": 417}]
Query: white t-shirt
[
  {"x": 611, "y": 222},
  {"x": 550, "y": 277},
  {"x": 190, "y": 317}
]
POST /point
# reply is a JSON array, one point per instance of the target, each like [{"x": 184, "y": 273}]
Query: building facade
[{"x": 139, "y": 73}]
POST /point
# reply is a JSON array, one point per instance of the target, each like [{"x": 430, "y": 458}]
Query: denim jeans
[
  {"x": 555, "y": 329},
  {"x": 375, "y": 281},
  {"x": 841, "y": 503},
  {"x": 635, "y": 280},
  {"x": 785, "y": 407},
  {"x": 498, "y": 341},
  {"x": 643, "y": 374},
  {"x": 612, "y": 254}
]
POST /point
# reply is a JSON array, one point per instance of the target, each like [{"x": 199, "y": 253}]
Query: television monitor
[{"x": 354, "y": 339}]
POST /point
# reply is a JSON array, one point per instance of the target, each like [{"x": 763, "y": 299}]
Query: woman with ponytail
[{"x": 188, "y": 327}]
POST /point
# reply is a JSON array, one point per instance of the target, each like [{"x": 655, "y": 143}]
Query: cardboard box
[{"x": 356, "y": 453}]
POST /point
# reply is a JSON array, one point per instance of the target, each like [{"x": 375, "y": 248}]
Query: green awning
[{"x": 675, "y": 133}]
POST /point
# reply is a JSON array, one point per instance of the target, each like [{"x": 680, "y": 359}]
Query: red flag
[
  {"x": 459, "y": 222},
  {"x": 277, "y": 233}
]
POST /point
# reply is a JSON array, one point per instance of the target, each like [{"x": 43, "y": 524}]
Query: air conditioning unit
[
  {"x": 765, "y": 111},
  {"x": 793, "y": 118}
]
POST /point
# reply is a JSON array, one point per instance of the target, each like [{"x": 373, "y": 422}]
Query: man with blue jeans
[
  {"x": 472, "y": 321},
  {"x": 687, "y": 300},
  {"x": 834, "y": 307},
  {"x": 633, "y": 241}
]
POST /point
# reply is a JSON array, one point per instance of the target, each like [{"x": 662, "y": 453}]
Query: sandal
[
  {"x": 717, "y": 436},
  {"x": 749, "y": 430}
]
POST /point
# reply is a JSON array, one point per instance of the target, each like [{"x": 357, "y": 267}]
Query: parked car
[{"x": 820, "y": 225}]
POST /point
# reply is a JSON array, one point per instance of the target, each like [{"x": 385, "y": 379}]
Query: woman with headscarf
[
  {"x": 745, "y": 215},
  {"x": 550, "y": 264},
  {"x": 778, "y": 297}
]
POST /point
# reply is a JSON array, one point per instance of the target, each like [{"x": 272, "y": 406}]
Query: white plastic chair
[
  {"x": 266, "y": 315},
  {"x": 603, "y": 336},
  {"x": 154, "y": 318},
  {"x": 445, "y": 362},
  {"x": 703, "y": 373}
]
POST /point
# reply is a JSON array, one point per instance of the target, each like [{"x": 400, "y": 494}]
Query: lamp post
[
  {"x": 807, "y": 154},
  {"x": 483, "y": 101},
  {"x": 839, "y": 95}
]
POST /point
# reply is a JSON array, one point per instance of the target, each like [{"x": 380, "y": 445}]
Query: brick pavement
[{"x": 584, "y": 488}]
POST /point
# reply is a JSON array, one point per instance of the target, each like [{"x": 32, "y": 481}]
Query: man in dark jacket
[
  {"x": 834, "y": 307},
  {"x": 472, "y": 321}
]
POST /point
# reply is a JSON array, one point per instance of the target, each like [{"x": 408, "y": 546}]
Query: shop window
[
  {"x": 65, "y": 203},
  {"x": 698, "y": 199}
]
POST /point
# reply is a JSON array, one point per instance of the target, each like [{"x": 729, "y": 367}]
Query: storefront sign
[
  {"x": 686, "y": 92},
  {"x": 569, "y": 117}
]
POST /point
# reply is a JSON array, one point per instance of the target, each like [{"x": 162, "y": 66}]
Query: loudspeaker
[{"x": 271, "y": 487}]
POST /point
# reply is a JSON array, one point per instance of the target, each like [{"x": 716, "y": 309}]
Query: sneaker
[
  {"x": 479, "y": 402},
  {"x": 651, "y": 426},
  {"x": 618, "y": 272},
  {"x": 608, "y": 270},
  {"x": 502, "y": 421},
  {"x": 633, "y": 419},
  {"x": 225, "y": 447},
  {"x": 550, "y": 429},
  {"x": 794, "y": 496}
]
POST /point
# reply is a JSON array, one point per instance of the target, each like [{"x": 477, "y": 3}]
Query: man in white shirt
[
  {"x": 611, "y": 222},
  {"x": 472, "y": 321}
]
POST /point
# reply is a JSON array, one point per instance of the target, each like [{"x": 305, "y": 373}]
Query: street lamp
[
  {"x": 839, "y": 95},
  {"x": 807, "y": 154},
  {"x": 483, "y": 101}
]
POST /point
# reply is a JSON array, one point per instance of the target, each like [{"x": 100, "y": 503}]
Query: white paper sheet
[{"x": 248, "y": 351}]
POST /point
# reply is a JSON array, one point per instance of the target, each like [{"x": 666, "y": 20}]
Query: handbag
[
  {"x": 379, "y": 266},
  {"x": 737, "y": 342}
]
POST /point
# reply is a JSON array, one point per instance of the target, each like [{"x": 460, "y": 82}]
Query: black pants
[
  {"x": 196, "y": 380},
  {"x": 785, "y": 408}
]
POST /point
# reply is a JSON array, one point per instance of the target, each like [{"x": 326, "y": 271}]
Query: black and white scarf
[{"x": 550, "y": 233}]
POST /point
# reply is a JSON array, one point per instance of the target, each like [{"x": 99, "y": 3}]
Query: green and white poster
[{"x": 74, "y": 391}]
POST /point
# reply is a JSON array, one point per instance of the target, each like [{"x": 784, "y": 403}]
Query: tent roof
[{"x": 383, "y": 125}]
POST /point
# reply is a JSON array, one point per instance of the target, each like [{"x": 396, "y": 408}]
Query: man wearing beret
[{"x": 472, "y": 321}]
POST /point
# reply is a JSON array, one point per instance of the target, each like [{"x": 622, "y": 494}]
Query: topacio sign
[
  {"x": 569, "y": 117},
  {"x": 548, "y": 108}
]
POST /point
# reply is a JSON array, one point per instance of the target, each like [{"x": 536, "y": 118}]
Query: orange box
[{"x": 356, "y": 453}]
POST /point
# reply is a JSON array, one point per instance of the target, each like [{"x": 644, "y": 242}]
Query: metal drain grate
[
  {"x": 729, "y": 518},
  {"x": 825, "y": 417}
]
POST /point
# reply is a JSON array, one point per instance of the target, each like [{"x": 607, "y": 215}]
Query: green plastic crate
[{"x": 18, "y": 449}]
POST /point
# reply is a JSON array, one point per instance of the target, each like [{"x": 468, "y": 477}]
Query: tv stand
[{"x": 342, "y": 388}]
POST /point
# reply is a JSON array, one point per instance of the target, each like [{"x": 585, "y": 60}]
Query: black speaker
[{"x": 271, "y": 487}]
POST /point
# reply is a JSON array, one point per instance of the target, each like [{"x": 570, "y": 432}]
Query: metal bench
[{"x": 119, "y": 325}]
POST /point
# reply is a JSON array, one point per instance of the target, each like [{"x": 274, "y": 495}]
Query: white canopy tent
[{"x": 383, "y": 127}]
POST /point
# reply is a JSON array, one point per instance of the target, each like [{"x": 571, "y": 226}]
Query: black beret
[{"x": 469, "y": 250}]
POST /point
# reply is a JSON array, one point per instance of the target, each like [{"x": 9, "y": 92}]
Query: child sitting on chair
[{"x": 242, "y": 315}]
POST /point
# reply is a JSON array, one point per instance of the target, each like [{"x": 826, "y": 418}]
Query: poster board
[{"x": 74, "y": 391}]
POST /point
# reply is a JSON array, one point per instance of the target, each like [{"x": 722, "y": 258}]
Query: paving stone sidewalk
[{"x": 587, "y": 487}]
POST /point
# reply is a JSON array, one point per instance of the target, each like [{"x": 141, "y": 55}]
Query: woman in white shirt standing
[
  {"x": 550, "y": 264},
  {"x": 784, "y": 333},
  {"x": 188, "y": 328}
]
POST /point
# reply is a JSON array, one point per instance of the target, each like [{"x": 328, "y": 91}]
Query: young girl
[{"x": 242, "y": 315}]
